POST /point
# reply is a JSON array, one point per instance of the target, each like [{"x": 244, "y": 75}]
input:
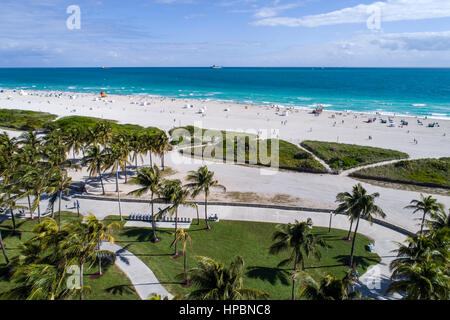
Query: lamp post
[{"x": 331, "y": 217}]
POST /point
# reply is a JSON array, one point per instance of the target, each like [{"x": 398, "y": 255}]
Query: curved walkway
[
  {"x": 316, "y": 158},
  {"x": 349, "y": 171},
  {"x": 143, "y": 279}
]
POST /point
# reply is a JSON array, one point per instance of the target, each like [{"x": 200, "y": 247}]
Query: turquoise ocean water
[{"x": 423, "y": 92}]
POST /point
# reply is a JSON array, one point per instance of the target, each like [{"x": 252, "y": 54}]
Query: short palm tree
[
  {"x": 329, "y": 288},
  {"x": 82, "y": 245},
  {"x": 214, "y": 281},
  {"x": 100, "y": 232},
  {"x": 184, "y": 237},
  {"x": 173, "y": 193},
  {"x": 427, "y": 205},
  {"x": 298, "y": 238},
  {"x": 361, "y": 205},
  {"x": 150, "y": 180},
  {"x": 203, "y": 180}
]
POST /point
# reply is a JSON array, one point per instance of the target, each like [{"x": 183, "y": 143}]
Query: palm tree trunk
[
  {"x": 118, "y": 194},
  {"x": 29, "y": 206},
  {"x": 135, "y": 161},
  {"x": 59, "y": 210},
  {"x": 151, "y": 161},
  {"x": 3, "y": 248},
  {"x": 101, "y": 181},
  {"x": 39, "y": 212},
  {"x": 198, "y": 217},
  {"x": 185, "y": 266},
  {"x": 206, "y": 212},
  {"x": 353, "y": 242},
  {"x": 99, "y": 260},
  {"x": 350, "y": 230},
  {"x": 162, "y": 161},
  {"x": 81, "y": 281},
  {"x": 13, "y": 219},
  {"x": 293, "y": 280},
  {"x": 155, "y": 238},
  {"x": 176, "y": 227},
  {"x": 423, "y": 222}
]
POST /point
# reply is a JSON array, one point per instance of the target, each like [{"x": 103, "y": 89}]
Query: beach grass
[
  {"x": 251, "y": 240},
  {"x": 88, "y": 123},
  {"x": 243, "y": 148},
  {"x": 113, "y": 285},
  {"x": 421, "y": 172},
  {"x": 347, "y": 156},
  {"x": 24, "y": 119}
]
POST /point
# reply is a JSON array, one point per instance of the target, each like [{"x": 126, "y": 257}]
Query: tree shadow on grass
[
  {"x": 121, "y": 290},
  {"x": 272, "y": 275},
  {"x": 359, "y": 261},
  {"x": 143, "y": 235}
]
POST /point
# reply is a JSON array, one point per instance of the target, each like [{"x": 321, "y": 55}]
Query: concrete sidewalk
[{"x": 143, "y": 279}]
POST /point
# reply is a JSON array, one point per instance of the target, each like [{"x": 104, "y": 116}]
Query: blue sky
[{"x": 410, "y": 33}]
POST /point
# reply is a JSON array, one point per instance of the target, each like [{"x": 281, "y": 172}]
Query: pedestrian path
[{"x": 143, "y": 279}]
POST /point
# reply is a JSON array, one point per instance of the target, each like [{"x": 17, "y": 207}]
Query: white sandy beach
[{"x": 305, "y": 189}]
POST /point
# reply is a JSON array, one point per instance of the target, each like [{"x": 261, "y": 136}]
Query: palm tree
[
  {"x": 299, "y": 238},
  {"x": 361, "y": 205},
  {"x": 214, "y": 281},
  {"x": 37, "y": 178},
  {"x": 150, "y": 180},
  {"x": 203, "y": 180},
  {"x": 39, "y": 282},
  {"x": 102, "y": 133},
  {"x": 162, "y": 146},
  {"x": 59, "y": 181},
  {"x": 95, "y": 161},
  {"x": 329, "y": 288},
  {"x": 100, "y": 232},
  {"x": 2, "y": 245},
  {"x": 347, "y": 207},
  {"x": 427, "y": 205},
  {"x": 82, "y": 244},
  {"x": 184, "y": 237},
  {"x": 439, "y": 220},
  {"x": 173, "y": 193},
  {"x": 114, "y": 161},
  {"x": 122, "y": 145},
  {"x": 425, "y": 280}
]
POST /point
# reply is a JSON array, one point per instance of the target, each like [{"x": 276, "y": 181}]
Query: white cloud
[{"x": 391, "y": 10}]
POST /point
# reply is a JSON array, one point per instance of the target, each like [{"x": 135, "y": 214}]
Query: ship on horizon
[{"x": 216, "y": 67}]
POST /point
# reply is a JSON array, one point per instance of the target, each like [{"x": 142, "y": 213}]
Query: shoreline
[{"x": 233, "y": 102}]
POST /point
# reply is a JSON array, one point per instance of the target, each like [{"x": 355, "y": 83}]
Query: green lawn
[
  {"x": 346, "y": 156},
  {"x": 113, "y": 285},
  {"x": 250, "y": 240},
  {"x": 423, "y": 172},
  {"x": 23, "y": 119}
]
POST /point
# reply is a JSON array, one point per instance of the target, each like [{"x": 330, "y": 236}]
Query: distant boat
[
  {"x": 105, "y": 67},
  {"x": 216, "y": 67}
]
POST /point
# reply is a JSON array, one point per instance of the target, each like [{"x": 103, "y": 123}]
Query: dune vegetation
[
  {"x": 243, "y": 148},
  {"x": 24, "y": 119},
  {"x": 347, "y": 156},
  {"x": 421, "y": 172}
]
